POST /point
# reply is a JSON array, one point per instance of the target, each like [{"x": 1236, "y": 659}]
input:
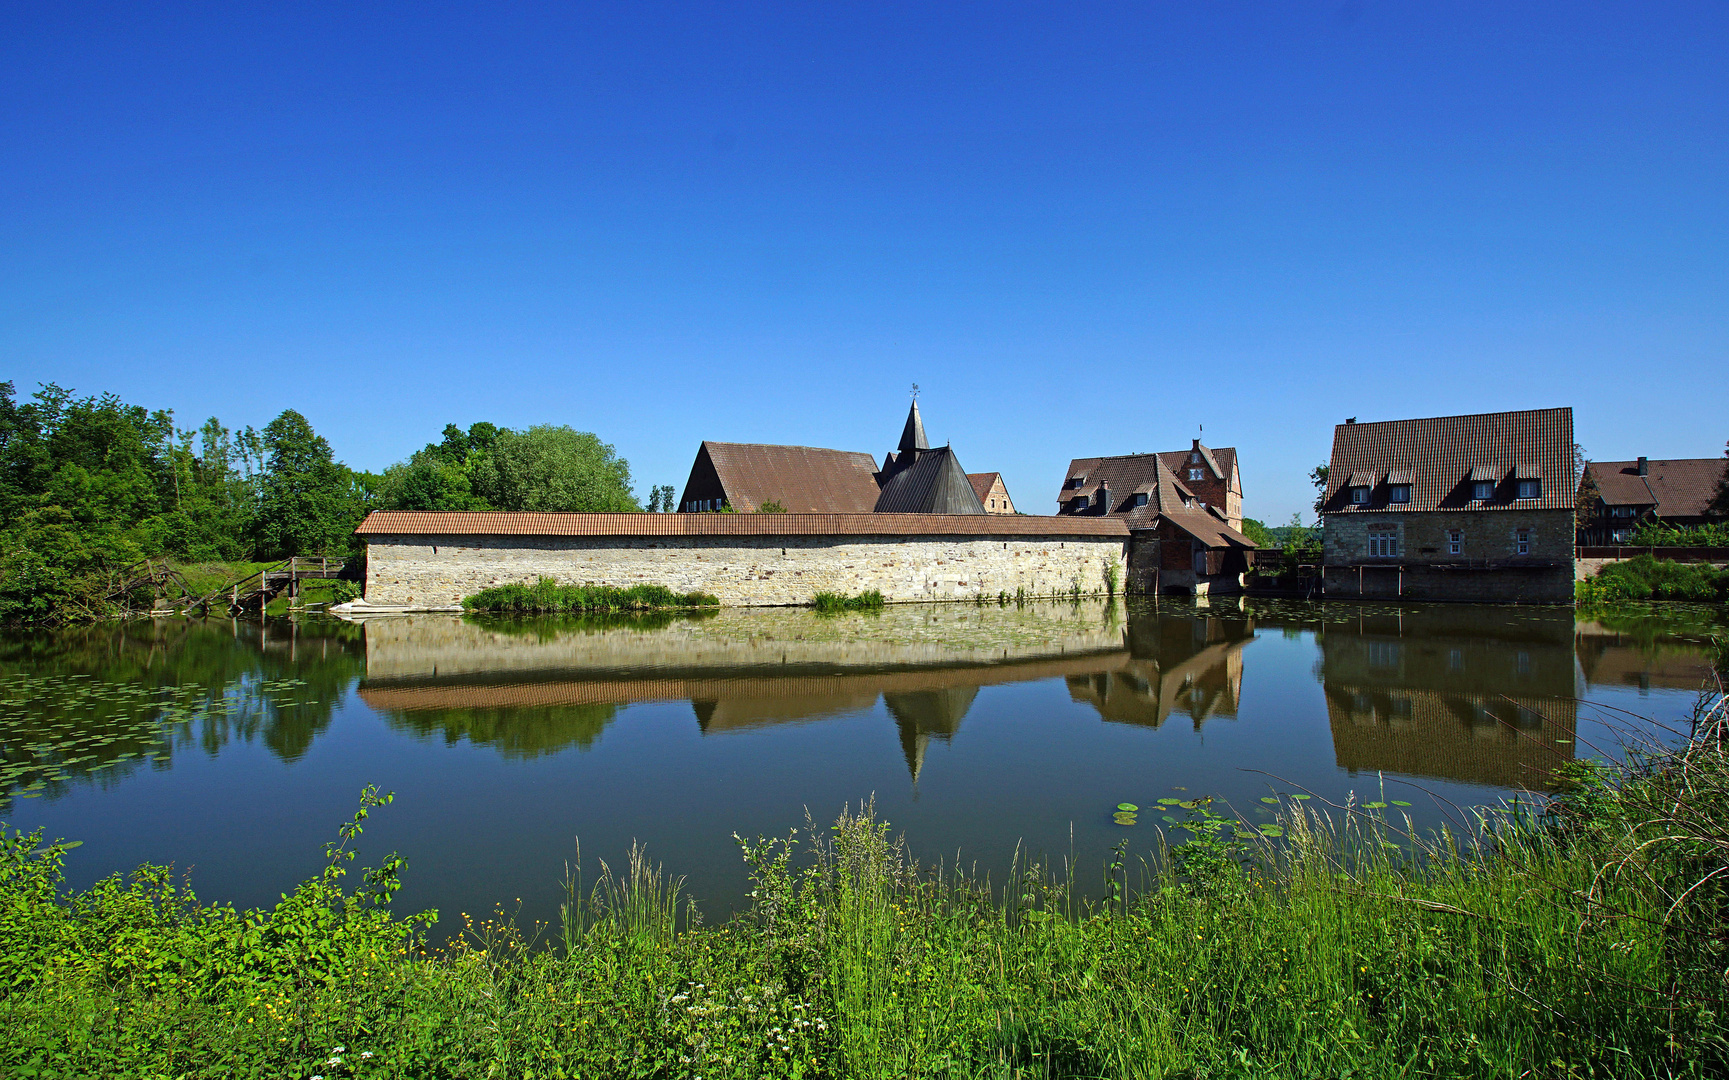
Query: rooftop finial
[{"x": 915, "y": 391}]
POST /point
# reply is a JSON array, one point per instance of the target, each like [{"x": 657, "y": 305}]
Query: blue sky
[{"x": 1082, "y": 228}]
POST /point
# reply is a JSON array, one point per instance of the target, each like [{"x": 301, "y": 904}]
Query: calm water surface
[{"x": 234, "y": 750}]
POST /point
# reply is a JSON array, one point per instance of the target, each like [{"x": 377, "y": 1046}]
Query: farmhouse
[
  {"x": 1473, "y": 507},
  {"x": 432, "y": 559},
  {"x": 1619, "y": 496},
  {"x": 1184, "y": 510}
]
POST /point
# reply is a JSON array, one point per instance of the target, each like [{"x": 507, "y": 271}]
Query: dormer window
[
  {"x": 1079, "y": 503},
  {"x": 1482, "y": 490},
  {"x": 1530, "y": 489},
  {"x": 1359, "y": 496},
  {"x": 1140, "y": 498},
  {"x": 1399, "y": 493}
]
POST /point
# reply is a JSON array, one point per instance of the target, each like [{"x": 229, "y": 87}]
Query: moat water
[{"x": 232, "y": 750}]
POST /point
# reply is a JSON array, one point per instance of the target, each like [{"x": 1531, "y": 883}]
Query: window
[
  {"x": 1483, "y": 490},
  {"x": 1197, "y": 474},
  {"x": 993, "y": 504},
  {"x": 1359, "y": 496},
  {"x": 1079, "y": 503},
  {"x": 1522, "y": 541},
  {"x": 1140, "y": 498},
  {"x": 1383, "y": 542},
  {"x": 1455, "y": 542},
  {"x": 1621, "y": 536},
  {"x": 1399, "y": 493},
  {"x": 1528, "y": 489},
  {"x": 1194, "y": 457},
  {"x": 1622, "y": 512}
]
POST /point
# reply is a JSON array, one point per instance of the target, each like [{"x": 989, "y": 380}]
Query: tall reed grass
[{"x": 547, "y": 596}]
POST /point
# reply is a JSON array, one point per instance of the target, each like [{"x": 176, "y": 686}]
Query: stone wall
[
  {"x": 745, "y": 570},
  {"x": 1425, "y": 569}
]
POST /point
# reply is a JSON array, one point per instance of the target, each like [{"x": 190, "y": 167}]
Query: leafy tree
[
  {"x": 1318, "y": 477},
  {"x": 661, "y": 499},
  {"x": 308, "y": 503},
  {"x": 550, "y": 469},
  {"x": 1719, "y": 505},
  {"x": 1258, "y": 532},
  {"x": 773, "y": 506},
  {"x": 1587, "y": 495}
]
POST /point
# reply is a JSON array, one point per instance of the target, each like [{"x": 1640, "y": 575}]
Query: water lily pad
[
  {"x": 1400, "y": 802},
  {"x": 1123, "y": 819},
  {"x": 1127, "y": 807},
  {"x": 1170, "y": 802},
  {"x": 1374, "y": 806},
  {"x": 1269, "y": 800},
  {"x": 1299, "y": 796},
  {"x": 1272, "y": 830},
  {"x": 1170, "y": 819}
]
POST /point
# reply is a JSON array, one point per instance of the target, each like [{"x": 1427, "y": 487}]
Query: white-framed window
[
  {"x": 1140, "y": 498},
  {"x": 1455, "y": 541},
  {"x": 1622, "y": 511},
  {"x": 1621, "y": 536},
  {"x": 1530, "y": 489},
  {"x": 1197, "y": 474},
  {"x": 1079, "y": 502},
  {"x": 1399, "y": 493},
  {"x": 1359, "y": 496},
  {"x": 1522, "y": 541},
  {"x": 1383, "y": 542},
  {"x": 1483, "y": 490}
]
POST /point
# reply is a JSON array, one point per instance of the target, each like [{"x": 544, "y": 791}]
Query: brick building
[
  {"x": 1629, "y": 493},
  {"x": 1452, "y": 508},
  {"x": 1184, "y": 510},
  {"x": 989, "y": 487}
]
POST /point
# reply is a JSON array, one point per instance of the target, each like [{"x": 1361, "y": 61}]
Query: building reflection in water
[
  {"x": 1432, "y": 692},
  {"x": 1470, "y": 694}
]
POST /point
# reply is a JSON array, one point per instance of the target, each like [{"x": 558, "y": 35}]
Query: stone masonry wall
[
  {"x": 744, "y": 570},
  {"x": 1488, "y": 535}
]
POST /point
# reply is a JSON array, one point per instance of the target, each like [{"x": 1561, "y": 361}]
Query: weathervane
[{"x": 915, "y": 391}]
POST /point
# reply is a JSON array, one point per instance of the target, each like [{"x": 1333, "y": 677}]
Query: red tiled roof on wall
[
  {"x": 499, "y": 523},
  {"x": 1677, "y": 487}
]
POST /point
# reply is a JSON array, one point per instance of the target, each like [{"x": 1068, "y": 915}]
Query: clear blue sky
[{"x": 1081, "y": 228}]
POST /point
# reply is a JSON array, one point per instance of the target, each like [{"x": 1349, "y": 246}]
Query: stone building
[
  {"x": 1630, "y": 493},
  {"x": 1473, "y": 507},
  {"x": 435, "y": 559},
  {"x": 992, "y": 492},
  {"x": 1184, "y": 510}
]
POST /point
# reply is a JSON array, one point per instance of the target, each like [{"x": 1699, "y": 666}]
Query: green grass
[
  {"x": 1558, "y": 945},
  {"x": 830, "y": 602},
  {"x": 547, "y": 596},
  {"x": 1648, "y": 578}
]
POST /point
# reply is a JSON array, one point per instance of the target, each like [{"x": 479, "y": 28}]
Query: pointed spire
[{"x": 913, "y": 436}]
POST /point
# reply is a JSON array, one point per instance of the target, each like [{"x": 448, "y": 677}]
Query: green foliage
[
  {"x": 1586, "y": 941},
  {"x": 309, "y": 504},
  {"x": 1111, "y": 578},
  {"x": 773, "y": 506},
  {"x": 662, "y": 499},
  {"x": 830, "y": 603},
  {"x": 552, "y": 469},
  {"x": 1649, "y": 578},
  {"x": 1658, "y": 533},
  {"x": 1318, "y": 476},
  {"x": 547, "y": 596},
  {"x": 1258, "y": 532}
]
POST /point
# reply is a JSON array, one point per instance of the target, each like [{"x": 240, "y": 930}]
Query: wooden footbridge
[{"x": 251, "y": 593}]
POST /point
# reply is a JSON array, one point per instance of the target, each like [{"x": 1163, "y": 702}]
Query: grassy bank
[
  {"x": 547, "y": 596},
  {"x": 1587, "y": 941},
  {"x": 1648, "y": 578}
]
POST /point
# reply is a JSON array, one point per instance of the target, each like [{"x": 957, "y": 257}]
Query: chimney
[
  {"x": 1644, "y": 466},
  {"x": 1197, "y": 444}
]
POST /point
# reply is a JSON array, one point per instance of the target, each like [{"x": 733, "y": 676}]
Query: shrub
[
  {"x": 1650, "y": 578},
  {"x": 830, "y": 602},
  {"x": 547, "y": 596},
  {"x": 1658, "y": 533}
]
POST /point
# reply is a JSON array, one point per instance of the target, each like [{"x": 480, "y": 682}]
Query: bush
[
  {"x": 1650, "y": 578},
  {"x": 547, "y": 596},
  {"x": 829, "y": 602},
  {"x": 1659, "y": 533}
]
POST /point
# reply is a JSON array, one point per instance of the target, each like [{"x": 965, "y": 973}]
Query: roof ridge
[{"x": 1456, "y": 416}]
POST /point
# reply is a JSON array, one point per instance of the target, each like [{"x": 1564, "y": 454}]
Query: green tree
[
  {"x": 551, "y": 469},
  {"x": 1258, "y": 532},
  {"x": 309, "y": 504},
  {"x": 1318, "y": 477},
  {"x": 1719, "y": 505}
]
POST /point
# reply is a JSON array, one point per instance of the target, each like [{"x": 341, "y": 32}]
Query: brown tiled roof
[
  {"x": 1129, "y": 473},
  {"x": 1168, "y": 498},
  {"x": 804, "y": 479},
  {"x": 1220, "y": 460},
  {"x": 1678, "y": 488},
  {"x": 981, "y": 482},
  {"x": 1444, "y": 452},
  {"x": 500, "y": 523}
]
